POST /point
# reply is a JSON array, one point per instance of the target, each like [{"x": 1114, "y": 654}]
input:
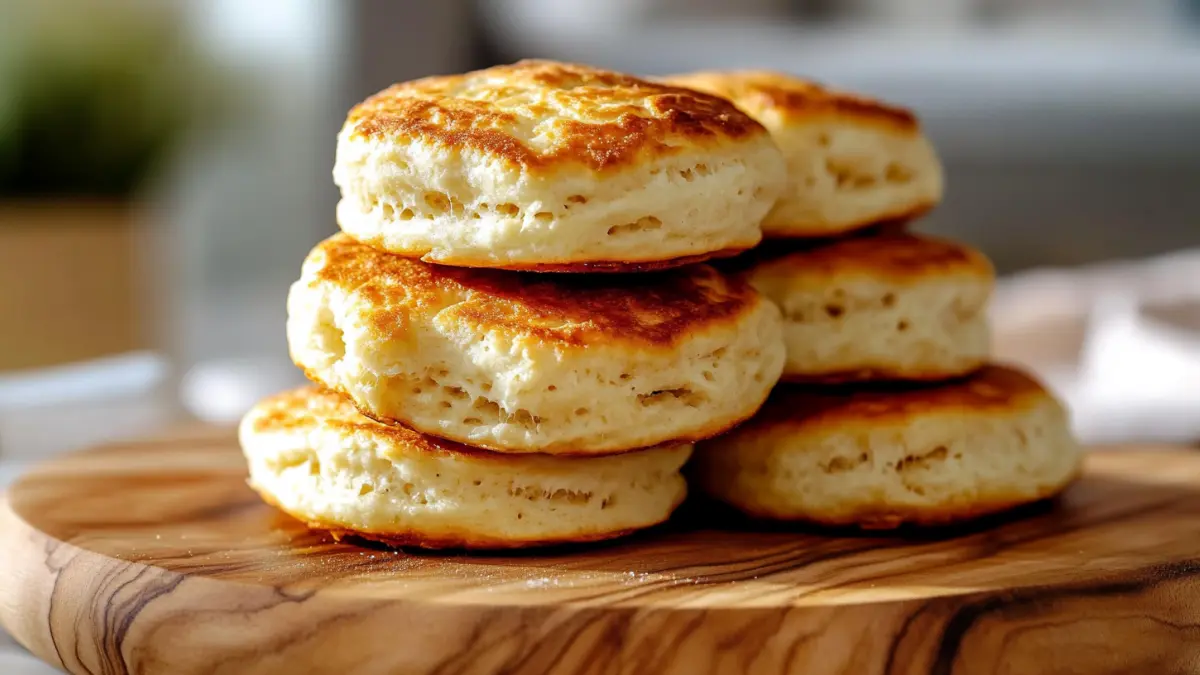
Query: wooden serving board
[{"x": 154, "y": 557}]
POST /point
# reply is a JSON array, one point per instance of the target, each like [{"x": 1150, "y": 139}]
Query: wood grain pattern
[{"x": 154, "y": 557}]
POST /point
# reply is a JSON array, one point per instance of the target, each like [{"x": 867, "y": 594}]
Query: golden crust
[
  {"x": 598, "y": 266},
  {"x": 792, "y": 99},
  {"x": 994, "y": 388},
  {"x": 297, "y": 413},
  {"x": 871, "y": 374},
  {"x": 309, "y": 408},
  {"x": 894, "y": 219},
  {"x": 314, "y": 406},
  {"x": 565, "y": 266},
  {"x": 570, "y": 310},
  {"x": 882, "y": 516},
  {"x": 775, "y": 248},
  {"x": 889, "y": 254},
  {"x": 713, "y": 429},
  {"x": 879, "y": 457},
  {"x": 453, "y": 540},
  {"x": 537, "y": 115}
]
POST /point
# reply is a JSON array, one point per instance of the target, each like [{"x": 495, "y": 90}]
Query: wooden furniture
[
  {"x": 67, "y": 282},
  {"x": 154, "y": 557}
]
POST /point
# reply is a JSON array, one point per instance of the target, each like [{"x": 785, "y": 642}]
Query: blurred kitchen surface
[{"x": 165, "y": 166}]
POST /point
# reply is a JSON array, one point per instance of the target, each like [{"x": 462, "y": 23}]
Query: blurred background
[{"x": 165, "y": 166}]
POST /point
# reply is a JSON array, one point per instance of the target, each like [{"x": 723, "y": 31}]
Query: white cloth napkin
[{"x": 1100, "y": 337}]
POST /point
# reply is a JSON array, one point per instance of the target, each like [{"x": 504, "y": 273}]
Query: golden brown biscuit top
[
  {"x": 655, "y": 308},
  {"x": 763, "y": 93},
  {"x": 994, "y": 389},
  {"x": 894, "y": 254},
  {"x": 534, "y": 114}
]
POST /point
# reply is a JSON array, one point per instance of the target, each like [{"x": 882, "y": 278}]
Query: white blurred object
[
  {"x": 1118, "y": 342},
  {"x": 48, "y": 411},
  {"x": 9, "y": 472},
  {"x": 1138, "y": 378},
  {"x": 15, "y": 661},
  {"x": 572, "y": 16},
  {"x": 923, "y": 14},
  {"x": 222, "y": 390},
  {"x": 1075, "y": 14},
  {"x": 600, "y": 16},
  {"x": 108, "y": 377}
]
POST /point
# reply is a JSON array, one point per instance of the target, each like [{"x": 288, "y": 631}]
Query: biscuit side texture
[
  {"x": 853, "y": 161},
  {"x": 553, "y": 165},
  {"x": 534, "y": 363},
  {"x": 314, "y": 456},
  {"x": 926, "y": 456}
]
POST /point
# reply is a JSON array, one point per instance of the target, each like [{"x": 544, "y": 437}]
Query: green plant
[{"x": 94, "y": 100}]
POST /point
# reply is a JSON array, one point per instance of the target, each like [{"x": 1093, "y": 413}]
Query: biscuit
[
  {"x": 523, "y": 362},
  {"x": 554, "y": 167},
  {"x": 852, "y": 161},
  {"x": 894, "y": 306},
  {"x": 315, "y": 457},
  {"x": 884, "y": 457}
]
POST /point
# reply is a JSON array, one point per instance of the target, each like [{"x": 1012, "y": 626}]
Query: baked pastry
[
  {"x": 315, "y": 457},
  {"x": 551, "y": 166},
  {"x": 523, "y": 362},
  {"x": 883, "y": 457},
  {"x": 894, "y": 306},
  {"x": 852, "y": 161}
]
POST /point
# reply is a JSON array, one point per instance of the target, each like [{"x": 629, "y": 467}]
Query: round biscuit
[
  {"x": 557, "y": 167},
  {"x": 883, "y": 457},
  {"x": 524, "y": 362},
  {"x": 852, "y": 161},
  {"x": 892, "y": 306},
  {"x": 314, "y": 456}
]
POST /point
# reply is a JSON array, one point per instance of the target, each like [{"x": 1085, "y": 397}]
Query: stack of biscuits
[
  {"x": 890, "y": 411},
  {"x": 513, "y": 340}
]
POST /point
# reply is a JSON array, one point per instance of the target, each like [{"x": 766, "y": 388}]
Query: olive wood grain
[{"x": 154, "y": 557}]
